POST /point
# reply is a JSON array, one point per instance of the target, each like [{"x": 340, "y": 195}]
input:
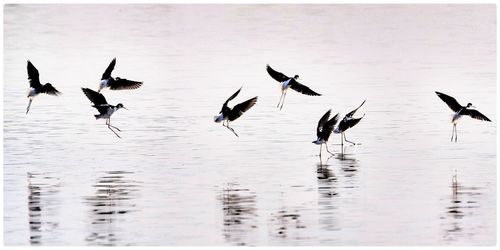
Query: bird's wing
[
  {"x": 278, "y": 76},
  {"x": 33, "y": 76},
  {"x": 475, "y": 114},
  {"x": 109, "y": 69},
  {"x": 322, "y": 121},
  {"x": 350, "y": 114},
  {"x": 452, "y": 102},
  {"x": 328, "y": 127},
  {"x": 120, "y": 83},
  {"x": 97, "y": 98},
  {"x": 302, "y": 88},
  {"x": 232, "y": 97},
  {"x": 348, "y": 123},
  {"x": 50, "y": 90},
  {"x": 239, "y": 109}
]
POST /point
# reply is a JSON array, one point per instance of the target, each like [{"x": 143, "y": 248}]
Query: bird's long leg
[
  {"x": 452, "y": 133},
  {"x": 320, "y": 149},
  {"x": 456, "y": 133},
  {"x": 108, "y": 121},
  {"x": 327, "y": 149},
  {"x": 283, "y": 102},
  {"x": 280, "y": 99},
  {"x": 109, "y": 124},
  {"x": 29, "y": 104},
  {"x": 342, "y": 139},
  {"x": 349, "y": 141},
  {"x": 232, "y": 130}
]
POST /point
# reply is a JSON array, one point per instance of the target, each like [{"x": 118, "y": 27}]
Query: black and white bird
[
  {"x": 460, "y": 111},
  {"x": 289, "y": 82},
  {"x": 227, "y": 114},
  {"x": 107, "y": 81},
  {"x": 105, "y": 109},
  {"x": 36, "y": 87},
  {"x": 348, "y": 122},
  {"x": 325, "y": 129}
]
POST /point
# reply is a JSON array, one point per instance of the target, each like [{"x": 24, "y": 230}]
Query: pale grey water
[{"x": 178, "y": 178}]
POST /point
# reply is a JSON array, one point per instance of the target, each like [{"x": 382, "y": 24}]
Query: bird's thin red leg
[
  {"x": 112, "y": 125},
  {"x": 29, "y": 104},
  {"x": 327, "y": 149},
  {"x": 277, "y": 106},
  {"x": 232, "y": 130},
  {"x": 349, "y": 141},
  {"x": 283, "y": 102}
]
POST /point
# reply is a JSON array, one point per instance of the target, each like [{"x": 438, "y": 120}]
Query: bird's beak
[
  {"x": 473, "y": 106},
  {"x": 126, "y": 108}
]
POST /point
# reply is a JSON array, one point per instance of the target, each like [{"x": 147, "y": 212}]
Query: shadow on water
[
  {"x": 113, "y": 199},
  {"x": 239, "y": 207},
  {"x": 42, "y": 187},
  {"x": 462, "y": 203},
  {"x": 328, "y": 192}
]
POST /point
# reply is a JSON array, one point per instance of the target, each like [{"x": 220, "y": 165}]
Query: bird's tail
[{"x": 97, "y": 116}]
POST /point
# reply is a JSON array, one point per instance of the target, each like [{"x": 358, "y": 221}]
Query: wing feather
[
  {"x": 322, "y": 121},
  {"x": 50, "y": 90},
  {"x": 120, "y": 83},
  {"x": 475, "y": 114},
  {"x": 450, "y": 101},
  {"x": 33, "y": 76},
  {"x": 278, "y": 76},
  {"x": 302, "y": 88},
  {"x": 96, "y": 98},
  {"x": 241, "y": 108},
  {"x": 109, "y": 69}
]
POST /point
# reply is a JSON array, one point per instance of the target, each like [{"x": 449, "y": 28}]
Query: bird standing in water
[
  {"x": 289, "y": 82},
  {"x": 460, "y": 111},
  {"x": 324, "y": 129},
  {"x": 227, "y": 114},
  {"x": 346, "y": 123},
  {"x": 105, "y": 109},
  {"x": 36, "y": 87},
  {"x": 107, "y": 81}
]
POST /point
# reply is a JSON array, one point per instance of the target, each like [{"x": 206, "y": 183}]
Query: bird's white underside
[{"x": 219, "y": 118}]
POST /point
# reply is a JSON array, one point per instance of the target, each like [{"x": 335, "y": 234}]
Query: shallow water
[{"x": 178, "y": 178}]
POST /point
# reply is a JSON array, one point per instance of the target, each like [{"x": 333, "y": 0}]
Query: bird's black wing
[
  {"x": 33, "y": 76},
  {"x": 232, "y": 97},
  {"x": 50, "y": 90},
  {"x": 120, "y": 83},
  {"x": 239, "y": 109},
  {"x": 322, "y": 121},
  {"x": 475, "y": 114},
  {"x": 350, "y": 114},
  {"x": 452, "y": 102},
  {"x": 345, "y": 124},
  {"x": 97, "y": 98},
  {"x": 278, "y": 76},
  {"x": 302, "y": 88},
  {"x": 109, "y": 69},
  {"x": 328, "y": 127}
]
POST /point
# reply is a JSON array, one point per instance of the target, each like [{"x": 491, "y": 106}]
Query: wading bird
[
  {"x": 346, "y": 123},
  {"x": 105, "y": 109},
  {"x": 289, "y": 82},
  {"x": 460, "y": 111},
  {"x": 36, "y": 87},
  {"x": 227, "y": 114},
  {"x": 107, "y": 81},
  {"x": 324, "y": 129}
]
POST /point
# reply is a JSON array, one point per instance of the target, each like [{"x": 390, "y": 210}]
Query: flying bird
[
  {"x": 324, "y": 129},
  {"x": 460, "y": 111},
  {"x": 105, "y": 109},
  {"x": 348, "y": 122},
  {"x": 36, "y": 87},
  {"x": 227, "y": 114},
  {"x": 289, "y": 82},
  {"x": 107, "y": 81}
]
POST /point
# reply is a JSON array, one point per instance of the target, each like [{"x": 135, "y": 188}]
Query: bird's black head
[
  {"x": 296, "y": 77},
  {"x": 120, "y": 106},
  {"x": 469, "y": 105}
]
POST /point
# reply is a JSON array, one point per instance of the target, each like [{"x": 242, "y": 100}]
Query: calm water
[{"x": 178, "y": 178}]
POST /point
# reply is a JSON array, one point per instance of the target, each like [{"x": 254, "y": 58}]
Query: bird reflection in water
[
  {"x": 327, "y": 191},
  {"x": 42, "y": 188},
  {"x": 112, "y": 200},
  {"x": 286, "y": 225},
  {"x": 240, "y": 214},
  {"x": 348, "y": 164},
  {"x": 463, "y": 202}
]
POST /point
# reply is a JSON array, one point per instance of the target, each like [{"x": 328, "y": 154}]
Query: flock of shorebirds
[{"x": 325, "y": 125}]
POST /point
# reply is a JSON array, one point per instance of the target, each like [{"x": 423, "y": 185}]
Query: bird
[
  {"x": 36, "y": 87},
  {"x": 289, "y": 82},
  {"x": 105, "y": 109},
  {"x": 107, "y": 81},
  {"x": 324, "y": 129},
  {"x": 460, "y": 111},
  {"x": 348, "y": 122},
  {"x": 227, "y": 114}
]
